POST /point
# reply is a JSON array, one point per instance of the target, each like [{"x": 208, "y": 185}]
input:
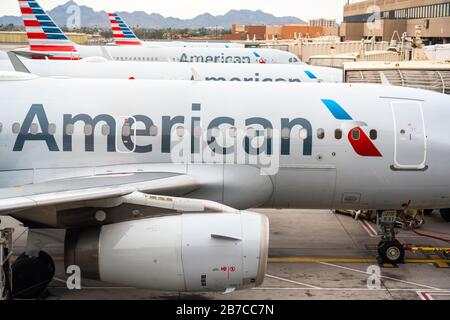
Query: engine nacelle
[{"x": 184, "y": 253}]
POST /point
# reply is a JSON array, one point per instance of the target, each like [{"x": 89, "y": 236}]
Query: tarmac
[{"x": 314, "y": 254}]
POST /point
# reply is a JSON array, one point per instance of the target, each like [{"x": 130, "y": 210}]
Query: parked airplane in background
[
  {"x": 98, "y": 67},
  {"x": 48, "y": 41},
  {"x": 109, "y": 158},
  {"x": 123, "y": 35}
]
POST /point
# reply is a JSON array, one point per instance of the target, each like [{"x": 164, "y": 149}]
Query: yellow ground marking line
[{"x": 439, "y": 262}]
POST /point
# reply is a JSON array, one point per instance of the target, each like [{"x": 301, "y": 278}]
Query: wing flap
[{"x": 98, "y": 187}]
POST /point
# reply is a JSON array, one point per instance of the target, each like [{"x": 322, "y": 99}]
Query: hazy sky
[{"x": 304, "y": 9}]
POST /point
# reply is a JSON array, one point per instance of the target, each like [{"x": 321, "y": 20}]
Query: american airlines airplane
[
  {"x": 124, "y": 36},
  {"x": 99, "y": 67},
  {"x": 159, "y": 171},
  {"x": 48, "y": 41}
]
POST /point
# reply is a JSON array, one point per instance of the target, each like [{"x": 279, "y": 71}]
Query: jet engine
[{"x": 183, "y": 253}]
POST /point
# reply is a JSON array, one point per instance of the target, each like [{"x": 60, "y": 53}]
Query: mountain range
[{"x": 92, "y": 18}]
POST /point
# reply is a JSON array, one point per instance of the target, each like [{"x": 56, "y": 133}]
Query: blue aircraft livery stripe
[
  {"x": 337, "y": 111},
  {"x": 310, "y": 74},
  {"x": 43, "y": 18},
  {"x": 37, "y": 11},
  {"x": 256, "y": 54}
]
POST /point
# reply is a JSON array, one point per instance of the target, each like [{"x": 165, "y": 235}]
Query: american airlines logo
[
  {"x": 222, "y": 58},
  {"x": 255, "y": 78},
  {"x": 187, "y": 139}
]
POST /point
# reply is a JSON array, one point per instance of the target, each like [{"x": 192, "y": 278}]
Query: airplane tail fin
[
  {"x": 44, "y": 35},
  {"x": 123, "y": 35}
]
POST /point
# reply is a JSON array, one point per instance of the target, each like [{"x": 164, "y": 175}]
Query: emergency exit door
[{"x": 410, "y": 145}]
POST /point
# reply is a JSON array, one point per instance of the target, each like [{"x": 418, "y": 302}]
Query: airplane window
[
  {"x": 16, "y": 128},
  {"x": 106, "y": 130},
  {"x": 126, "y": 130},
  {"x": 180, "y": 131},
  {"x": 373, "y": 134},
  {"x": 303, "y": 133},
  {"x": 320, "y": 133},
  {"x": 233, "y": 132},
  {"x": 285, "y": 133},
  {"x": 88, "y": 130},
  {"x": 52, "y": 128},
  {"x": 355, "y": 134},
  {"x": 153, "y": 131},
  {"x": 34, "y": 128},
  {"x": 197, "y": 132},
  {"x": 269, "y": 133},
  {"x": 215, "y": 132},
  {"x": 70, "y": 129},
  {"x": 251, "y": 132},
  {"x": 338, "y": 134}
]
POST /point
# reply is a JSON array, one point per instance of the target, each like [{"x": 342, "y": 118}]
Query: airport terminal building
[{"x": 381, "y": 18}]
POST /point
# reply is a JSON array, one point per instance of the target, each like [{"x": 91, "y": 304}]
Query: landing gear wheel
[
  {"x": 445, "y": 214},
  {"x": 391, "y": 252}
]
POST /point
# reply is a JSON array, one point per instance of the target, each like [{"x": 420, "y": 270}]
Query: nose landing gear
[{"x": 390, "y": 250}]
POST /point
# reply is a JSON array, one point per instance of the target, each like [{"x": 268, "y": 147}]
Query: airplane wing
[
  {"x": 33, "y": 55},
  {"x": 76, "y": 192}
]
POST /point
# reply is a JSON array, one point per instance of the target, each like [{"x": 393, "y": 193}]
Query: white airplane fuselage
[
  {"x": 393, "y": 144},
  {"x": 187, "y": 54},
  {"x": 193, "y": 44},
  {"x": 98, "y": 67}
]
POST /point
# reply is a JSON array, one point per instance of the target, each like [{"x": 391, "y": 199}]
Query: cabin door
[{"x": 410, "y": 145}]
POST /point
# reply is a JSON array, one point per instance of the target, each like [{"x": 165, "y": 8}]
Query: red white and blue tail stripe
[
  {"x": 123, "y": 35},
  {"x": 44, "y": 36}
]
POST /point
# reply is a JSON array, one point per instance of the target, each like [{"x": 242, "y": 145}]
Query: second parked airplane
[{"x": 48, "y": 41}]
